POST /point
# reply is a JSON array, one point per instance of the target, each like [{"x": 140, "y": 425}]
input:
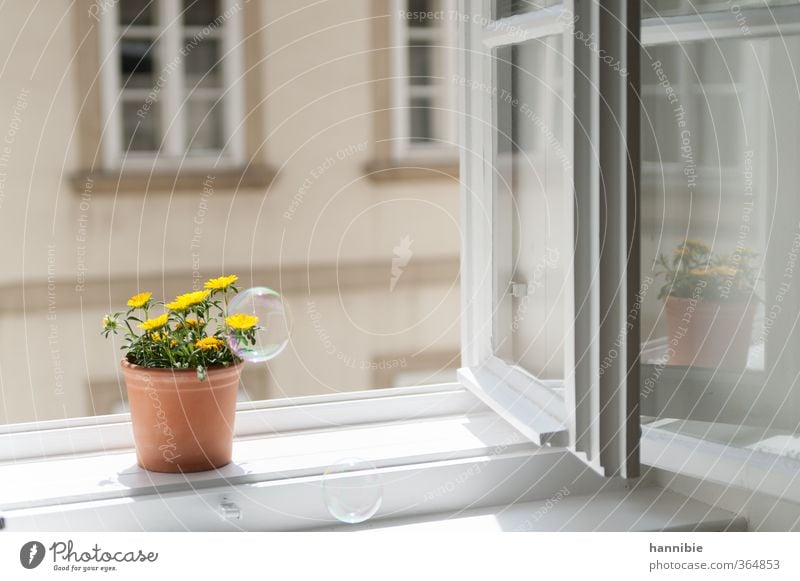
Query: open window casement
[{"x": 549, "y": 254}]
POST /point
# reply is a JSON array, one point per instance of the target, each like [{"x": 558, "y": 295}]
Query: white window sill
[
  {"x": 643, "y": 509},
  {"x": 429, "y": 465},
  {"x": 725, "y": 454}
]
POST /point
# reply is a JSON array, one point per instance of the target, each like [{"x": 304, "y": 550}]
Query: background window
[
  {"x": 423, "y": 92},
  {"x": 176, "y": 92}
]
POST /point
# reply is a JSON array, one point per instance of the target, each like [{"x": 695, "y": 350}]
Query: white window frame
[
  {"x": 170, "y": 34},
  {"x": 402, "y": 91},
  {"x": 595, "y": 415}
]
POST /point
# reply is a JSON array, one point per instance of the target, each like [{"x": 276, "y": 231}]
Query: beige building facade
[{"x": 311, "y": 201}]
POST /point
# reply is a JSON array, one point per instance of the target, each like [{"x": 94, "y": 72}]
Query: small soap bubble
[
  {"x": 272, "y": 334},
  {"x": 353, "y": 490}
]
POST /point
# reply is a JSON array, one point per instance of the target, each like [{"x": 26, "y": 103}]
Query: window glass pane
[
  {"x": 140, "y": 126},
  {"x": 137, "y": 12},
  {"x": 533, "y": 249},
  {"x": 202, "y": 64},
  {"x": 137, "y": 59},
  {"x": 204, "y": 125},
  {"x": 721, "y": 238},
  {"x": 652, "y": 8},
  {"x": 421, "y": 119},
  {"x": 504, "y": 8},
  {"x": 200, "y": 12},
  {"x": 420, "y": 63},
  {"x": 423, "y": 12}
]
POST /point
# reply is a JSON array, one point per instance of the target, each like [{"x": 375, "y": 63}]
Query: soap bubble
[
  {"x": 352, "y": 498},
  {"x": 272, "y": 337}
]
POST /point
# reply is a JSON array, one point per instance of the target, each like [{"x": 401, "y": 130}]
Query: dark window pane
[
  {"x": 140, "y": 126},
  {"x": 420, "y": 63},
  {"x": 422, "y": 12},
  {"x": 202, "y": 68},
  {"x": 137, "y": 12},
  {"x": 137, "y": 61},
  {"x": 204, "y": 125},
  {"x": 420, "y": 118},
  {"x": 200, "y": 12}
]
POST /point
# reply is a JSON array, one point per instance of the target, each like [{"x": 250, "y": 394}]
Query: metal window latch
[{"x": 230, "y": 510}]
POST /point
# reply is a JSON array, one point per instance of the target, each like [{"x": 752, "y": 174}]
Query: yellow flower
[
  {"x": 154, "y": 324},
  {"x": 242, "y": 322},
  {"x": 177, "y": 305},
  {"x": 696, "y": 245},
  {"x": 187, "y": 324},
  {"x": 209, "y": 343},
  {"x": 140, "y": 300},
  {"x": 156, "y": 336},
  {"x": 724, "y": 270},
  {"x": 221, "y": 283},
  {"x": 183, "y": 302},
  {"x": 702, "y": 271}
]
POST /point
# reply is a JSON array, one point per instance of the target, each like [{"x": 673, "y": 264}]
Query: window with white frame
[
  {"x": 549, "y": 196},
  {"x": 423, "y": 65},
  {"x": 171, "y": 82},
  {"x": 559, "y": 241}
]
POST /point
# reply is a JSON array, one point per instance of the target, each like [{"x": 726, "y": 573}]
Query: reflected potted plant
[
  {"x": 181, "y": 375},
  {"x": 710, "y": 303}
]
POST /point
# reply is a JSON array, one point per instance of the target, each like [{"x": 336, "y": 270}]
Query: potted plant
[
  {"x": 710, "y": 304},
  {"x": 181, "y": 375}
]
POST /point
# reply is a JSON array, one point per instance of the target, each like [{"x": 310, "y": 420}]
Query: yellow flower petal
[
  {"x": 209, "y": 343},
  {"x": 140, "y": 300},
  {"x": 184, "y": 301},
  {"x": 221, "y": 283},
  {"x": 242, "y": 322},
  {"x": 155, "y": 323}
]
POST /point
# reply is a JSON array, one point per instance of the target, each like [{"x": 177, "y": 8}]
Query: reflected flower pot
[
  {"x": 182, "y": 424},
  {"x": 709, "y": 334}
]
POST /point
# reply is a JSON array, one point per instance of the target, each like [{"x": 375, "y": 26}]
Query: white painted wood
[
  {"x": 444, "y": 464},
  {"x": 522, "y": 27},
  {"x": 171, "y": 100},
  {"x": 104, "y": 434},
  {"x": 643, "y": 509},
  {"x": 532, "y": 415},
  {"x": 600, "y": 407},
  {"x": 731, "y": 455},
  {"x": 233, "y": 82},
  {"x": 779, "y": 20}
]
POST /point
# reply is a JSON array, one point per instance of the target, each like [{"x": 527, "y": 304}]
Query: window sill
[
  {"x": 642, "y": 509},
  {"x": 251, "y": 177},
  {"x": 388, "y": 170},
  {"x": 725, "y": 454},
  {"x": 434, "y": 465}
]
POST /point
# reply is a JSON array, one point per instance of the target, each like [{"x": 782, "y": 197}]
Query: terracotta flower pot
[
  {"x": 182, "y": 424},
  {"x": 708, "y": 334}
]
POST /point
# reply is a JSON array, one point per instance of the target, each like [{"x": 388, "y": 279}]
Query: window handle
[{"x": 230, "y": 510}]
